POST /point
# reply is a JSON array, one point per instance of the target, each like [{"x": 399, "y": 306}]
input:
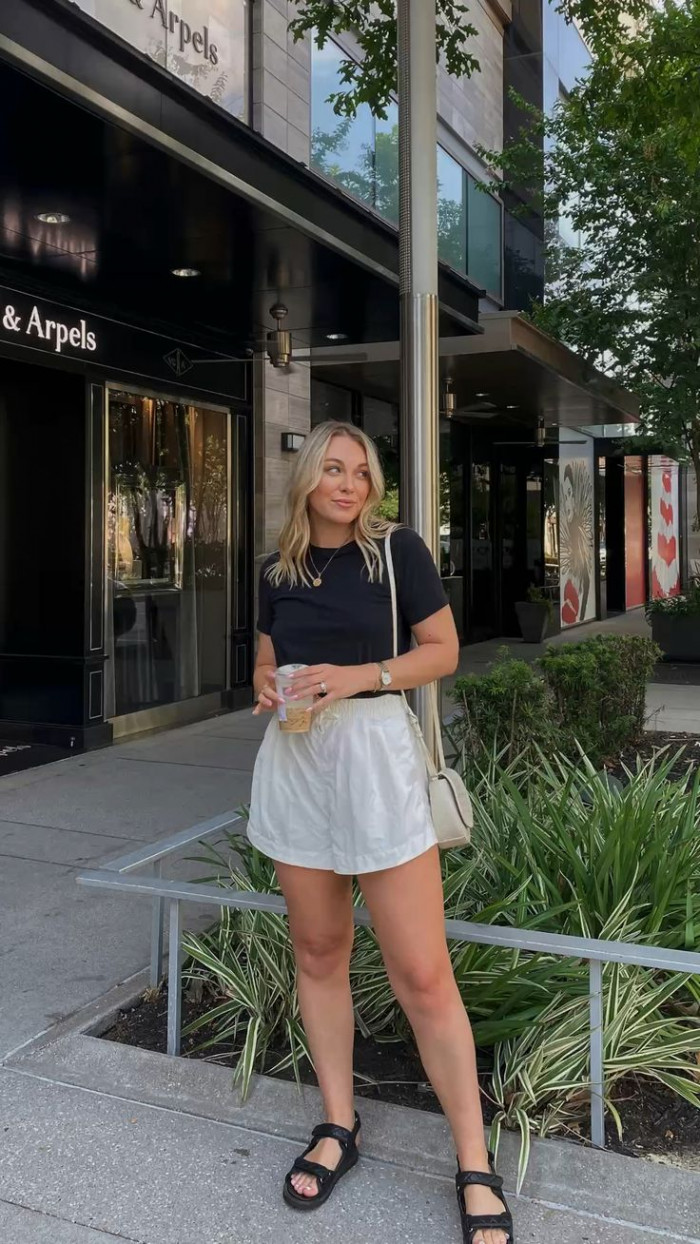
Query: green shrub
[
  {"x": 588, "y": 696},
  {"x": 562, "y": 852},
  {"x": 599, "y": 690},
  {"x": 508, "y": 710},
  {"x": 684, "y": 605},
  {"x": 538, "y": 596}
]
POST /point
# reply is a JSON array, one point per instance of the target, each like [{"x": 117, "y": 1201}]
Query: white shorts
[{"x": 349, "y": 796}]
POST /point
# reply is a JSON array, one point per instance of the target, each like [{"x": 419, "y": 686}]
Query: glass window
[
  {"x": 361, "y": 154},
  {"x": 329, "y": 401},
  {"x": 168, "y": 523},
  {"x": 485, "y": 265},
  {"x": 481, "y": 614},
  {"x": 380, "y": 420},
  {"x": 386, "y": 165},
  {"x": 342, "y": 148},
  {"x": 551, "y": 528},
  {"x": 204, "y": 42},
  {"x": 452, "y": 216}
]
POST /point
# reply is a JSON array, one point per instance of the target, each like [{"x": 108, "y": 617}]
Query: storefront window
[
  {"x": 168, "y": 531},
  {"x": 380, "y": 420},
  {"x": 482, "y": 620},
  {"x": 329, "y": 401},
  {"x": 203, "y": 42},
  {"x": 551, "y": 529}
]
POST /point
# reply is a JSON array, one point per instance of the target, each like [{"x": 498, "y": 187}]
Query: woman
[{"x": 349, "y": 798}]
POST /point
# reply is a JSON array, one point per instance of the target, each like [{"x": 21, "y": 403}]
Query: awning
[
  {"x": 154, "y": 176},
  {"x": 512, "y": 371}
]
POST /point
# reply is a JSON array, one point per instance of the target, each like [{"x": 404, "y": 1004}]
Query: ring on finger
[{"x": 322, "y": 689}]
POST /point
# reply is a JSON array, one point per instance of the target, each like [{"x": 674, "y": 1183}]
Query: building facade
[{"x": 175, "y": 195}]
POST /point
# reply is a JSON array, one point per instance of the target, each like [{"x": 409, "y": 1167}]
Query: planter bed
[
  {"x": 688, "y": 745},
  {"x": 656, "y": 1122},
  {"x": 679, "y": 637}
]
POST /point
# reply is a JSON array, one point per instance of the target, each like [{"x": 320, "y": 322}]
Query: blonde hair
[{"x": 295, "y": 536}]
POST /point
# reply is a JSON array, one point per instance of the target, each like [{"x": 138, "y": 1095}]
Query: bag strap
[{"x": 432, "y": 689}]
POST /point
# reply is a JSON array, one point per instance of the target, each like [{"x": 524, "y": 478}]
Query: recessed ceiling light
[
  {"x": 186, "y": 272},
  {"x": 482, "y": 395},
  {"x": 53, "y": 218},
  {"x": 512, "y": 408},
  {"x": 336, "y": 336}
]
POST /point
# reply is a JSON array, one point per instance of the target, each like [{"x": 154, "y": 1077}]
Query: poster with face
[
  {"x": 663, "y": 494},
  {"x": 203, "y": 42},
  {"x": 576, "y": 536}
]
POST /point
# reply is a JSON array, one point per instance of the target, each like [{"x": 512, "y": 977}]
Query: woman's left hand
[{"x": 333, "y": 682}]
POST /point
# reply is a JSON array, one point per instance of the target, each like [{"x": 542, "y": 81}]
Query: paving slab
[
  {"x": 608, "y": 1185},
  {"x": 59, "y": 846},
  {"x": 61, "y": 945},
  {"x": 211, "y": 750},
  {"x": 29, "y": 1226},
  {"x": 157, "y": 1176},
  {"x": 237, "y": 725},
  {"x": 130, "y": 798}
]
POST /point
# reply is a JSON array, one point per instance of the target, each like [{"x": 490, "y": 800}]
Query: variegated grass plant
[{"x": 559, "y": 849}]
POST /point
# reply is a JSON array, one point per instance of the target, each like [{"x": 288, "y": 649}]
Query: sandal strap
[
  {"x": 466, "y": 1179},
  {"x": 490, "y": 1222},
  {"x": 332, "y": 1131},
  {"x": 304, "y": 1167}
]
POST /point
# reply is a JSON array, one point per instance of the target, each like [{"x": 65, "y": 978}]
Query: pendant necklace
[{"x": 320, "y": 573}]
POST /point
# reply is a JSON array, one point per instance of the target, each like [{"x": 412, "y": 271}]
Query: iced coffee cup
[{"x": 293, "y": 715}]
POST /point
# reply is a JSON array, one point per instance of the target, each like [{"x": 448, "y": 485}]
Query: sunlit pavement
[{"x": 83, "y": 1162}]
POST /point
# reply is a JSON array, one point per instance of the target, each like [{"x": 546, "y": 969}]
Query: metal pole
[
  {"x": 157, "y": 932},
  {"x": 418, "y": 281},
  {"x": 175, "y": 978},
  {"x": 597, "y": 1060}
]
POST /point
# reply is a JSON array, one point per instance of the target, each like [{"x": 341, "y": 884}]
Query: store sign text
[
  {"x": 55, "y": 334},
  {"x": 172, "y": 22}
]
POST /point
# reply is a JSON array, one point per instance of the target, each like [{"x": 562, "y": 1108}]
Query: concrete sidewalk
[{"x": 90, "y": 1153}]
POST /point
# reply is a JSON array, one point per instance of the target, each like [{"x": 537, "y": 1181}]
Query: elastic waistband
[{"x": 378, "y": 707}]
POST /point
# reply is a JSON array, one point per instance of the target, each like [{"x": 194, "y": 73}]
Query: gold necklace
[{"x": 319, "y": 573}]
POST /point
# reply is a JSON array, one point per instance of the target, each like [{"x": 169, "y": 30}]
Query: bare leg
[
  {"x": 322, "y": 931},
  {"x": 406, "y": 904}
]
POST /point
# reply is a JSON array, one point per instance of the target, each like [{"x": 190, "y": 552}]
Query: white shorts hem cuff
[{"x": 314, "y": 859}]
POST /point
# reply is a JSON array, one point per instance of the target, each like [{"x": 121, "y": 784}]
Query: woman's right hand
[{"x": 267, "y": 699}]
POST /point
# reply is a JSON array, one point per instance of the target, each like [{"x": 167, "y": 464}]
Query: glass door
[
  {"x": 482, "y": 619},
  {"x": 168, "y": 556},
  {"x": 509, "y": 547},
  {"x": 520, "y": 509}
]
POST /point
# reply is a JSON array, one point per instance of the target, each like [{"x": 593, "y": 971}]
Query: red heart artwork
[
  {"x": 666, "y": 512},
  {"x": 666, "y": 549},
  {"x": 571, "y": 605},
  {"x": 666, "y": 481}
]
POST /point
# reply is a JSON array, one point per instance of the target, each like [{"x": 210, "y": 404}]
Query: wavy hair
[{"x": 295, "y": 536}]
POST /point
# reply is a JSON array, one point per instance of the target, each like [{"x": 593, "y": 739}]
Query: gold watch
[{"x": 385, "y": 679}]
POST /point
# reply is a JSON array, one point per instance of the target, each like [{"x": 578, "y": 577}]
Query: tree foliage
[
  {"x": 621, "y": 159},
  {"x": 372, "y": 78}
]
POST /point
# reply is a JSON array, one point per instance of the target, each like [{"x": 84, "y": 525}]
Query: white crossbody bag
[{"x": 450, "y": 805}]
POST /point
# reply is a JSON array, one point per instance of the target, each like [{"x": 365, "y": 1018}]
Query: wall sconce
[{"x": 292, "y": 442}]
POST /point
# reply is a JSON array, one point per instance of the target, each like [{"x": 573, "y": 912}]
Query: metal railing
[{"x": 117, "y": 875}]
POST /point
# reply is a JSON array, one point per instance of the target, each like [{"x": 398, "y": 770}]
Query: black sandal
[
  {"x": 472, "y": 1223},
  {"x": 327, "y": 1179}
]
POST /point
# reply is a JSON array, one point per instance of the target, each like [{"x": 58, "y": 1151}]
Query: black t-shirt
[{"x": 347, "y": 620}]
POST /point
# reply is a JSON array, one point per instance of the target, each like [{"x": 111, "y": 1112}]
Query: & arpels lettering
[{"x": 54, "y": 334}]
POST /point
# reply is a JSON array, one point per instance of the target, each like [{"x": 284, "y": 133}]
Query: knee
[
  {"x": 320, "y": 956},
  {"x": 426, "y": 989}
]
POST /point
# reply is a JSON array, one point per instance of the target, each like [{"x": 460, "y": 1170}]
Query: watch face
[{"x": 386, "y": 678}]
